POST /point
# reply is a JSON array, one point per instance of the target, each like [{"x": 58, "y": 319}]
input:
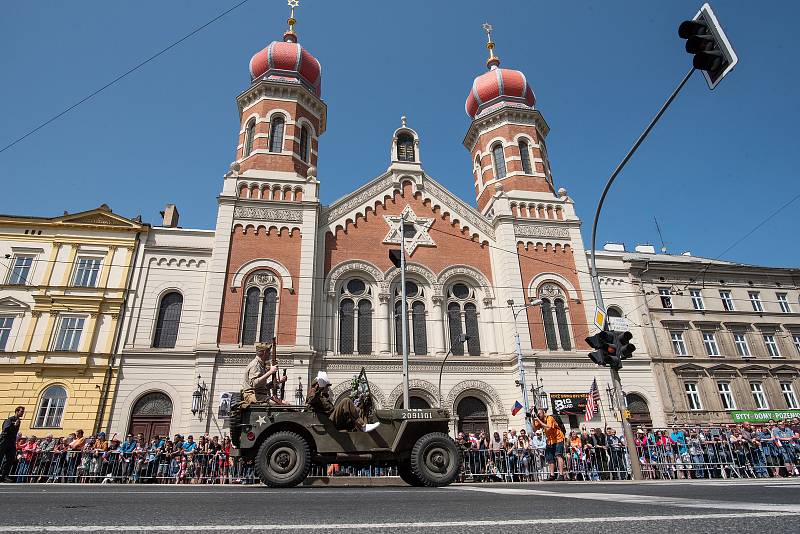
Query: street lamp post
[
  {"x": 520, "y": 365},
  {"x": 462, "y": 338}
]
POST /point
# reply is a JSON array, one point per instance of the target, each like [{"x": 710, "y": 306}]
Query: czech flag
[{"x": 517, "y": 407}]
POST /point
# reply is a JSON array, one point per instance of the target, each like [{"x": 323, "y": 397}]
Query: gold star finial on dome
[
  {"x": 493, "y": 60},
  {"x": 292, "y": 4}
]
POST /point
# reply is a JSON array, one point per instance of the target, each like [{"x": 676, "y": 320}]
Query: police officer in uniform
[
  {"x": 8, "y": 442},
  {"x": 258, "y": 377},
  {"x": 345, "y": 415}
]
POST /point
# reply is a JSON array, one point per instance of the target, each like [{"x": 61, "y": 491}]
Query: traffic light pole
[{"x": 636, "y": 468}]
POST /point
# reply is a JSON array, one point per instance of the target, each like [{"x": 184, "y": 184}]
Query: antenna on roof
[{"x": 661, "y": 237}]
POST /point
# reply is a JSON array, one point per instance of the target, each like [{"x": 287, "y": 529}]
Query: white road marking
[
  {"x": 369, "y": 526},
  {"x": 643, "y": 499},
  {"x": 255, "y": 491}
]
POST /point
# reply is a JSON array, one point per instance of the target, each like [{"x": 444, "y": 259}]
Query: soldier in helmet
[
  {"x": 345, "y": 415},
  {"x": 258, "y": 377}
]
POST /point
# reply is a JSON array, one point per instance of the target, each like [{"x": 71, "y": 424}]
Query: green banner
[{"x": 762, "y": 416}]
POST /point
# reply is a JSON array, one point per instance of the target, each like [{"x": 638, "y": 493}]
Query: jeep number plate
[{"x": 413, "y": 414}]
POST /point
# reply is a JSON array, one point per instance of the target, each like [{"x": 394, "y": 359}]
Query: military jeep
[{"x": 284, "y": 441}]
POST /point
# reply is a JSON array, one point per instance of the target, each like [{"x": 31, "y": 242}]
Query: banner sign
[
  {"x": 224, "y": 410},
  {"x": 762, "y": 416},
  {"x": 569, "y": 403}
]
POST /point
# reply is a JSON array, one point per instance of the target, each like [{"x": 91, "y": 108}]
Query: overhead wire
[{"x": 122, "y": 76}]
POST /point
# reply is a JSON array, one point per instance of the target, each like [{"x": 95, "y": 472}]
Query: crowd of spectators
[
  {"x": 81, "y": 458},
  {"x": 680, "y": 452},
  {"x": 732, "y": 451}
]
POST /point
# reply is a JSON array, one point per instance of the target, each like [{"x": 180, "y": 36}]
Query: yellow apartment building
[{"x": 63, "y": 283}]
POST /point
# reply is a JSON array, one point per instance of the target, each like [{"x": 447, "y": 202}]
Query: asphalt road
[{"x": 698, "y": 507}]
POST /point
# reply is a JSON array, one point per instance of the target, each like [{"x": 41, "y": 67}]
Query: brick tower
[
  {"x": 506, "y": 137},
  {"x": 268, "y": 207},
  {"x": 514, "y": 189}
]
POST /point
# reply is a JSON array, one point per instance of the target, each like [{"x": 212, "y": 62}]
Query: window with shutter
[
  {"x": 250, "y": 320},
  {"x": 563, "y": 329},
  {"x": 499, "y": 161},
  {"x": 276, "y": 134},
  {"x": 168, "y": 321},
  {"x": 346, "y": 325},
  {"x": 454, "y": 322},
  {"x": 405, "y": 147},
  {"x": 268, "y": 309},
  {"x": 304, "y": 143},
  {"x": 364, "y": 327},
  {"x": 525, "y": 155},
  {"x": 471, "y": 324},
  {"x": 420, "y": 329},
  {"x": 250, "y": 133},
  {"x": 549, "y": 327}
]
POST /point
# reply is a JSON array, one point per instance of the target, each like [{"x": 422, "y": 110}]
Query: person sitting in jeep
[
  {"x": 258, "y": 376},
  {"x": 345, "y": 415}
]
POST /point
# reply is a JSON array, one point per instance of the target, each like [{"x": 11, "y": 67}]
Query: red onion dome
[
  {"x": 287, "y": 60},
  {"x": 496, "y": 86}
]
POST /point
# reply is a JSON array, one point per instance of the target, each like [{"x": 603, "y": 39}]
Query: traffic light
[
  {"x": 603, "y": 341},
  {"x": 624, "y": 348},
  {"x": 394, "y": 257},
  {"x": 713, "y": 53}
]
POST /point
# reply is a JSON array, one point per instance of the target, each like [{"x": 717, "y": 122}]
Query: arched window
[
  {"x": 168, "y": 321},
  {"x": 563, "y": 330},
  {"x": 525, "y": 155},
  {"x": 417, "y": 328},
  {"x": 462, "y": 317},
  {"x": 304, "y": 143},
  {"x": 347, "y": 323},
  {"x": 250, "y": 322},
  {"x": 249, "y": 135},
  {"x": 554, "y": 317},
  {"x": 405, "y": 147},
  {"x": 549, "y": 328},
  {"x": 613, "y": 311},
  {"x": 454, "y": 323},
  {"x": 355, "y": 317},
  {"x": 364, "y": 327},
  {"x": 269, "y": 307},
  {"x": 51, "y": 407},
  {"x": 499, "y": 161},
  {"x": 260, "y": 307},
  {"x": 276, "y": 134}
]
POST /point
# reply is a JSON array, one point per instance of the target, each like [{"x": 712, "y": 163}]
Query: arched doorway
[
  {"x": 640, "y": 413},
  {"x": 151, "y": 415},
  {"x": 473, "y": 416},
  {"x": 416, "y": 402}
]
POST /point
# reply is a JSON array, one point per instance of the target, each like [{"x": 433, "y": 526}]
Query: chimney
[
  {"x": 170, "y": 215},
  {"x": 645, "y": 249},
  {"x": 614, "y": 247}
]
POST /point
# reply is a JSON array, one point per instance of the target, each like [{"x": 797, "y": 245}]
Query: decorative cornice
[
  {"x": 541, "y": 230},
  {"x": 346, "y": 204},
  {"x": 268, "y": 214}
]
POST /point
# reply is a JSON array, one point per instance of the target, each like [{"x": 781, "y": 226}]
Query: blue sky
[{"x": 715, "y": 166}]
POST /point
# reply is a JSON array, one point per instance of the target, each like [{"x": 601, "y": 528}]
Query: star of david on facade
[{"x": 420, "y": 227}]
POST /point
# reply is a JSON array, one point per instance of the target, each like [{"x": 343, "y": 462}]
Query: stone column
[
  {"x": 384, "y": 323},
  {"x": 437, "y": 322}
]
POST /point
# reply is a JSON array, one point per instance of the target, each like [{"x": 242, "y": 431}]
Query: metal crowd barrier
[{"x": 705, "y": 453}]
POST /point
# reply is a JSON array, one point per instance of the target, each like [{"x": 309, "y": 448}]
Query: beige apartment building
[{"x": 724, "y": 338}]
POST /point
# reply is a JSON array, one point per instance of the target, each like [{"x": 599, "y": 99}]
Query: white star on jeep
[
  {"x": 419, "y": 226},
  {"x": 261, "y": 420}
]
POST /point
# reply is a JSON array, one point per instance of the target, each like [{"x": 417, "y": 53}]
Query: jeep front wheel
[
  {"x": 283, "y": 460},
  {"x": 435, "y": 459},
  {"x": 404, "y": 470}
]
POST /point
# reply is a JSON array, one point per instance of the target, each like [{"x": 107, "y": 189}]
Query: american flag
[{"x": 591, "y": 402}]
